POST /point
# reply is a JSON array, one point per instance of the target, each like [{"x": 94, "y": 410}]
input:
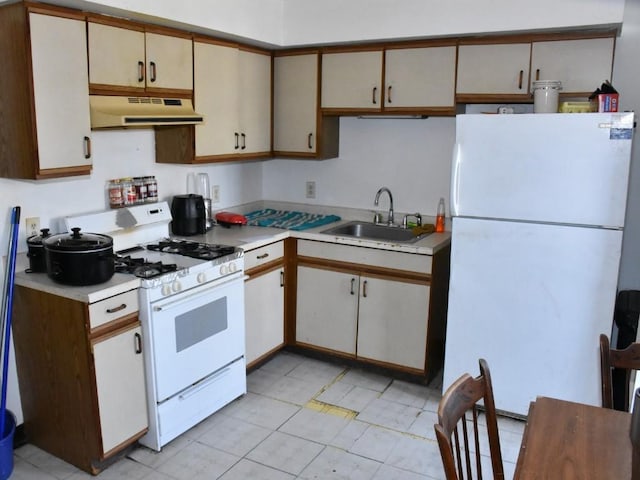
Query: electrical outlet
[
  {"x": 311, "y": 189},
  {"x": 215, "y": 198},
  {"x": 32, "y": 225}
]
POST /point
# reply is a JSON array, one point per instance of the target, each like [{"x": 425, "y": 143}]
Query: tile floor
[{"x": 301, "y": 419}]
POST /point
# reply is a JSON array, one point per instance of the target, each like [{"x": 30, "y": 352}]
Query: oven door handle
[{"x": 188, "y": 298}]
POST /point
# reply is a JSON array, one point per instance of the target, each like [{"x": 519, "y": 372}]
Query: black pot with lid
[
  {"x": 79, "y": 258},
  {"x": 35, "y": 252}
]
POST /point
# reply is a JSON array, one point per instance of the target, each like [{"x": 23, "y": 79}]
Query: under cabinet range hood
[{"x": 114, "y": 111}]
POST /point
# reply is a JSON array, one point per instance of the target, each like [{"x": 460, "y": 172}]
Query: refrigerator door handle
[{"x": 455, "y": 179}]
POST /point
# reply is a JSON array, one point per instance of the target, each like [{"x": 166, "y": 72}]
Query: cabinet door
[
  {"x": 420, "y": 77},
  {"x": 120, "y": 384},
  {"x": 327, "y": 309},
  {"x": 169, "y": 62},
  {"x": 116, "y": 56},
  {"x": 295, "y": 103},
  {"x": 61, "y": 91},
  {"x": 352, "y": 80},
  {"x": 392, "y": 322},
  {"x": 581, "y": 65},
  {"x": 493, "y": 69},
  {"x": 255, "y": 102},
  {"x": 216, "y": 96},
  {"x": 264, "y": 314}
]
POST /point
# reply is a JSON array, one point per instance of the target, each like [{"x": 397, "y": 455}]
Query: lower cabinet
[
  {"x": 264, "y": 296},
  {"x": 372, "y": 305},
  {"x": 81, "y": 375}
]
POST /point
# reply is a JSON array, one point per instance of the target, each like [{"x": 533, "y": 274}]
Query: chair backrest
[
  {"x": 624, "y": 361},
  {"x": 459, "y": 430}
]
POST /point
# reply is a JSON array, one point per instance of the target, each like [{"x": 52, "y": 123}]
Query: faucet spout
[{"x": 377, "y": 199}]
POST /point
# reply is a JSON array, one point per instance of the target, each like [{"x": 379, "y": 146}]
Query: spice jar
[
  {"x": 114, "y": 190},
  {"x": 152, "y": 189}
]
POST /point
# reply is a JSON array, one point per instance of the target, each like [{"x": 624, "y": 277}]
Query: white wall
[
  {"x": 625, "y": 78},
  {"x": 410, "y": 157},
  {"x": 328, "y": 21}
]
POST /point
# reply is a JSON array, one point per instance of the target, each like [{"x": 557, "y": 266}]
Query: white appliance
[
  {"x": 538, "y": 205},
  {"x": 191, "y": 312}
]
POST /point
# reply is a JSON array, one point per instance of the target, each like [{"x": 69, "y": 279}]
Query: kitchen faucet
[{"x": 375, "y": 202}]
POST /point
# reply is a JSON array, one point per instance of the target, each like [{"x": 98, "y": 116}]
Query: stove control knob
[
  {"x": 232, "y": 267},
  {"x": 166, "y": 289},
  {"x": 224, "y": 270},
  {"x": 202, "y": 277},
  {"x": 176, "y": 286}
]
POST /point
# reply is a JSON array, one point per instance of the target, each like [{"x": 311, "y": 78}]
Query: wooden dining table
[{"x": 573, "y": 441}]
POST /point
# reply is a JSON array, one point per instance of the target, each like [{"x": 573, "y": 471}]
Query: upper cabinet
[
  {"x": 44, "y": 93},
  {"x": 493, "y": 70},
  {"x": 299, "y": 130},
  {"x": 129, "y": 59},
  {"x": 500, "y": 71},
  {"x": 581, "y": 65},
  {"x": 420, "y": 78},
  {"x": 352, "y": 81},
  {"x": 390, "y": 80}
]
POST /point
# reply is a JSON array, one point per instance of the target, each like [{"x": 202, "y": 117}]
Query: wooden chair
[
  {"x": 623, "y": 361},
  {"x": 458, "y": 425}
]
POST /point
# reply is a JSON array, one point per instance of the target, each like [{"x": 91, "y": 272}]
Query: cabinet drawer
[
  {"x": 113, "y": 308},
  {"x": 262, "y": 255},
  {"x": 366, "y": 256}
]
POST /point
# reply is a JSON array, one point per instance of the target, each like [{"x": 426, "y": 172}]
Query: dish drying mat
[{"x": 287, "y": 219}]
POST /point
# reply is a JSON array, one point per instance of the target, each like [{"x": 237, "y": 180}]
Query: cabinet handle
[
  {"x": 537, "y": 74},
  {"x": 152, "y": 66},
  {"x": 237, "y": 135},
  {"x": 263, "y": 256},
  {"x": 309, "y": 141},
  {"x": 373, "y": 95},
  {"x": 244, "y": 141},
  {"x": 87, "y": 147},
  {"x": 364, "y": 289},
  {"x": 281, "y": 278},
  {"x": 137, "y": 343},
  {"x": 141, "y": 71},
  {"x": 389, "y": 94},
  {"x": 353, "y": 281},
  {"x": 117, "y": 309},
  {"x": 520, "y": 79}
]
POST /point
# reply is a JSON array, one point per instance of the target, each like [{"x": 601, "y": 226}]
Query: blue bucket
[{"x": 6, "y": 445}]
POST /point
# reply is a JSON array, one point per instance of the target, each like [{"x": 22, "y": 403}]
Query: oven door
[{"x": 195, "y": 333}]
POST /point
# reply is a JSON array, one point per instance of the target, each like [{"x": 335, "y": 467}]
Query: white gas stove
[{"x": 191, "y": 312}]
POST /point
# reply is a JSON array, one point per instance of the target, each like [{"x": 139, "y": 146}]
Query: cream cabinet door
[
  {"x": 169, "y": 62},
  {"x": 295, "y": 103},
  {"x": 215, "y": 92},
  {"x": 255, "y": 102},
  {"x": 581, "y": 65},
  {"x": 392, "y": 322},
  {"x": 120, "y": 383},
  {"x": 493, "y": 69},
  {"x": 264, "y": 314},
  {"x": 327, "y": 309},
  {"x": 61, "y": 91},
  {"x": 420, "y": 77},
  {"x": 116, "y": 56},
  {"x": 352, "y": 80}
]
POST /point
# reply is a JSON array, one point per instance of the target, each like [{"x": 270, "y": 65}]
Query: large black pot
[
  {"x": 35, "y": 252},
  {"x": 79, "y": 258}
]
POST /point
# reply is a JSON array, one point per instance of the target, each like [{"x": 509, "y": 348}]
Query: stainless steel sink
[{"x": 374, "y": 231}]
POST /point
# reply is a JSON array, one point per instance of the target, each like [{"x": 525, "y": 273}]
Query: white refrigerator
[{"x": 538, "y": 205}]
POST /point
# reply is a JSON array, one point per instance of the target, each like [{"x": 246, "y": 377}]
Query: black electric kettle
[{"x": 188, "y": 215}]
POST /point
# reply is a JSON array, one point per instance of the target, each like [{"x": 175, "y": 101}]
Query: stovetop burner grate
[
  {"x": 192, "y": 249},
  {"x": 142, "y": 268}
]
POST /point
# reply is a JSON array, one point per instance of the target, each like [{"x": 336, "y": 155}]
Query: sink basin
[{"x": 374, "y": 231}]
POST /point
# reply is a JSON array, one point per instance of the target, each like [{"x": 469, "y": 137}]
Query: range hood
[{"x": 113, "y": 111}]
